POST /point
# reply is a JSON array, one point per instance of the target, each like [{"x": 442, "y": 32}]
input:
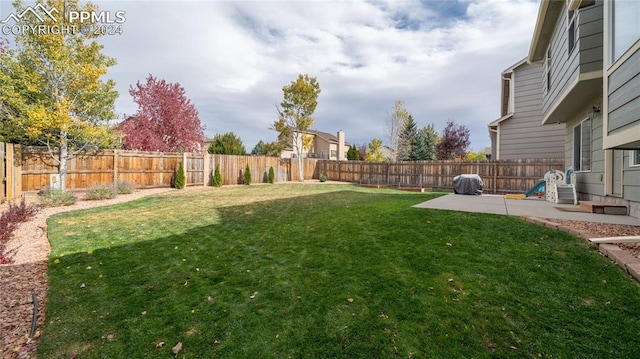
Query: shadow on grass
[{"x": 343, "y": 274}]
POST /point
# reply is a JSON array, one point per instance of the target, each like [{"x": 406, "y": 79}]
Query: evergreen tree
[
  {"x": 217, "y": 177},
  {"x": 409, "y": 130},
  {"x": 227, "y": 144},
  {"x": 430, "y": 137},
  {"x": 179, "y": 181},
  {"x": 272, "y": 175},
  {"x": 352, "y": 154},
  {"x": 247, "y": 175},
  {"x": 419, "y": 150},
  {"x": 259, "y": 149}
]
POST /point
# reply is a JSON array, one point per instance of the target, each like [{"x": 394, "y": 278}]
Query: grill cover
[{"x": 468, "y": 184}]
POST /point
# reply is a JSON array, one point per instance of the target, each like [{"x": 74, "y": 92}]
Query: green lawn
[{"x": 326, "y": 271}]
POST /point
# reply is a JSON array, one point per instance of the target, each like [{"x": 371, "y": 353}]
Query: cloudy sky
[{"x": 442, "y": 58}]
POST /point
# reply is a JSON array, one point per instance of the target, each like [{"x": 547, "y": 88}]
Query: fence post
[
  {"x": 205, "y": 169},
  {"x": 115, "y": 167},
  {"x": 13, "y": 172},
  {"x": 184, "y": 166}
]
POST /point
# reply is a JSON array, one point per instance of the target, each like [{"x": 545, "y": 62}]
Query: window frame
[
  {"x": 572, "y": 29},
  {"x": 580, "y": 160},
  {"x": 613, "y": 55},
  {"x": 547, "y": 69},
  {"x": 634, "y": 158}
]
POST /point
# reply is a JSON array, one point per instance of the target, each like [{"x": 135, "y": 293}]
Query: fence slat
[
  {"x": 500, "y": 177},
  {"x": 156, "y": 169}
]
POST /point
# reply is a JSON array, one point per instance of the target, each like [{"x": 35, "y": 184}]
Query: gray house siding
[
  {"x": 563, "y": 70},
  {"x": 590, "y": 25},
  {"x": 586, "y": 56},
  {"x": 624, "y": 95},
  {"x": 630, "y": 179},
  {"x": 522, "y": 136},
  {"x": 591, "y": 181}
]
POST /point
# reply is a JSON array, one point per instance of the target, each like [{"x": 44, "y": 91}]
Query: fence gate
[{"x": 10, "y": 171}]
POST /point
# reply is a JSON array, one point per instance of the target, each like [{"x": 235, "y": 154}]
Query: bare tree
[{"x": 394, "y": 127}]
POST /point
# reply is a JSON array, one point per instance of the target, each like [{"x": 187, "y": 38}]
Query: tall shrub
[
  {"x": 272, "y": 175},
  {"x": 179, "y": 180},
  {"x": 247, "y": 175},
  {"x": 216, "y": 181}
]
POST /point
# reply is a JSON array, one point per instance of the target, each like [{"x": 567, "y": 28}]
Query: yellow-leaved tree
[
  {"x": 63, "y": 102},
  {"x": 294, "y": 115}
]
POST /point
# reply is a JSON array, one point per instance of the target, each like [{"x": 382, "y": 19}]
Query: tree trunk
[
  {"x": 64, "y": 152},
  {"x": 300, "y": 169}
]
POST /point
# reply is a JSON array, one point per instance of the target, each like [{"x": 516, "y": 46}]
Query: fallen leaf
[
  {"x": 350, "y": 300},
  {"x": 604, "y": 281},
  {"x": 56, "y": 261},
  {"x": 159, "y": 345},
  {"x": 253, "y": 296},
  {"x": 177, "y": 348}
]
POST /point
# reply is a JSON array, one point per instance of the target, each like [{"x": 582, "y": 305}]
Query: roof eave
[{"x": 545, "y": 24}]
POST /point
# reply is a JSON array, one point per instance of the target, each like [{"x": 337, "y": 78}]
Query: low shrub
[
  {"x": 247, "y": 175},
  {"x": 323, "y": 177},
  {"x": 179, "y": 180},
  {"x": 56, "y": 198},
  {"x": 9, "y": 220},
  {"x": 216, "y": 180},
  {"x": 272, "y": 175},
  {"x": 124, "y": 187},
  {"x": 100, "y": 192}
]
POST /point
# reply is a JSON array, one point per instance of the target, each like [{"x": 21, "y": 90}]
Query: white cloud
[{"x": 442, "y": 58}]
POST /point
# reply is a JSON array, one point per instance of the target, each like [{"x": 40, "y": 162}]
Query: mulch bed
[{"x": 16, "y": 308}]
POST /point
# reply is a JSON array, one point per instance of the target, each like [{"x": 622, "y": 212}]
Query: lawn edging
[{"x": 627, "y": 262}]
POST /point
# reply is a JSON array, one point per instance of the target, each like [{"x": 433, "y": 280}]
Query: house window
[
  {"x": 547, "y": 69},
  {"x": 507, "y": 94},
  {"x": 572, "y": 29},
  {"x": 582, "y": 146},
  {"x": 634, "y": 158},
  {"x": 626, "y": 26}
]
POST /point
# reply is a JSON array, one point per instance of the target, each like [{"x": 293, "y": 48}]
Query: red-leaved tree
[
  {"x": 166, "y": 120},
  {"x": 453, "y": 142}
]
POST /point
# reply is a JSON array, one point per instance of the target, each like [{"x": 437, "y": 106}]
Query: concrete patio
[{"x": 530, "y": 207}]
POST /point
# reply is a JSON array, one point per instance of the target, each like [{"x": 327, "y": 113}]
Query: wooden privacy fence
[
  {"x": 11, "y": 186},
  {"x": 30, "y": 169},
  {"x": 151, "y": 169},
  {"x": 499, "y": 177}
]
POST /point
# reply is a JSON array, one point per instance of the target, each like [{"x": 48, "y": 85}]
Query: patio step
[{"x": 604, "y": 208}]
